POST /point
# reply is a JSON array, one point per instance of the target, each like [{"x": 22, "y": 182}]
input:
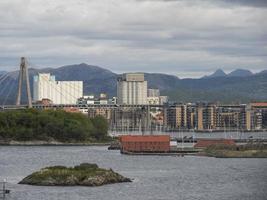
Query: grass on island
[
  {"x": 251, "y": 150},
  {"x": 85, "y": 174}
]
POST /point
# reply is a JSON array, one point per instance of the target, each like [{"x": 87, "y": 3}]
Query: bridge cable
[
  {"x": 10, "y": 90},
  {"x": 68, "y": 82},
  {"x": 68, "y": 96},
  {"x": 7, "y": 84},
  {"x": 4, "y": 77},
  {"x": 58, "y": 90}
]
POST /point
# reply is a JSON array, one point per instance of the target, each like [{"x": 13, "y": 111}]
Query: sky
[{"x": 187, "y": 38}]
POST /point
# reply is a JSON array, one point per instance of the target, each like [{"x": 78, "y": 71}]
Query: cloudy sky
[{"x": 188, "y": 38}]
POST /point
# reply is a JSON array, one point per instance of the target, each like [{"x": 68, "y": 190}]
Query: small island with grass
[
  {"x": 250, "y": 150},
  {"x": 85, "y": 174}
]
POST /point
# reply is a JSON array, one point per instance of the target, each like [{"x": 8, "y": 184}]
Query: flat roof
[{"x": 145, "y": 138}]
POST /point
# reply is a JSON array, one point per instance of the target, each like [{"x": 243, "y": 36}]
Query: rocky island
[{"x": 85, "y": 174}]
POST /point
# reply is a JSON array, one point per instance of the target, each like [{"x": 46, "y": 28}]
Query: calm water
[{"x": 155, "y": 177}]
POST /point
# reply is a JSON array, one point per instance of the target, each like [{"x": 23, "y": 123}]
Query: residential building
[
  {"x": 175, "y": 116},
  {"x": 206, "y": 115}
]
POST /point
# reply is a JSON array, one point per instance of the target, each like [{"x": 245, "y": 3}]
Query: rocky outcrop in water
[{"x": 84, "y": 175}]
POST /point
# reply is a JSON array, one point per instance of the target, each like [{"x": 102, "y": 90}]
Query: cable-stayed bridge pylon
[{"x": 24, "y": 73}]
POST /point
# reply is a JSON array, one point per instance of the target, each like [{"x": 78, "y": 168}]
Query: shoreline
[
  {"x": 199, "y": 154},
  {"x": 50, "y": 143}
]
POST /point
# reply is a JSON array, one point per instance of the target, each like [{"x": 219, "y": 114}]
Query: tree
[{"x": 101, "y": 127}]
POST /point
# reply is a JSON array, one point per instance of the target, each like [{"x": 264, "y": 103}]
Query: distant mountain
[
  {"x": 96, "y": 79},
  {"x": 2, "y": 72},
  {"x": 161, "y": 81},
  {"x": 263, "y": 72},
  {"x": 240, "y": 73},
  {"x": 235, "y": 73},
  {"x": 221, "y": 87},
  {"x": 217, "y": 73}
]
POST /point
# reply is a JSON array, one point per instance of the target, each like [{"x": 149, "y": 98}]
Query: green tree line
[{"x": 30, "y": 124}]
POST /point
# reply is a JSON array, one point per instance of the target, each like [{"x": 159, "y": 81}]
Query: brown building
[
  {"x": 145, "y": 143},
  {"x": 228, "y": 118},
  {"x": 258, "y": 115},
  {"x": 175, "y": 117},
  {"x": 206, "y": 116}
]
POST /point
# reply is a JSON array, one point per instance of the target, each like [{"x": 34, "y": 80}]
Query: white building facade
[
  {"x": 45, "y": 86},
  {"x": 153, "y": 93},
  {"x": 132, "y": 89}
]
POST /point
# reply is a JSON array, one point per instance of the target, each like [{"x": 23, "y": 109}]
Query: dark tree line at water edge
[{"x": 30, "y": 124}]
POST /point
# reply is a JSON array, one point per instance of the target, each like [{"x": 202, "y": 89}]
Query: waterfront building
[
  {"x": 145, "y": 143},
  {"x": 227, "y": 118},
  {"x": 258, "y": 115},
  {"x": 45, "y": 86},
  {"x": 191, "y": 116},
  {"x": 175, "y": 116},
  {"x": 206, "y": 115},
  {"x": 264, "y": 118},
  {"x": 132, "y": 89},
  {"x": 198, "y": 117}
]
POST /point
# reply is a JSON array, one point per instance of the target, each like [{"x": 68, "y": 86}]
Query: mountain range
[
  {"x": 235, "y": 73},
  {"x": 239, "y": 86}
]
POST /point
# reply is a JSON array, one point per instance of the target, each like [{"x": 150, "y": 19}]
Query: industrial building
[
  {"x": 132, "y": 89},
  {"x": 45, "y": 86},
  {"x": 154, "y": 98},
  {"x": 102, "y": 99}
]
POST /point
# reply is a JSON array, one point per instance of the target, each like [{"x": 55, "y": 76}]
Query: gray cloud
[
  {"x": 177, "y": 37},
  {"x": 254, "y": 3}
]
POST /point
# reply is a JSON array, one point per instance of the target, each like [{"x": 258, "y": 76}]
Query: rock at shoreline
[{"x": 84, "y": 174}]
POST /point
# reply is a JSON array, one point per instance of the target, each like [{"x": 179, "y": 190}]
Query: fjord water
[{"x": 155, "y": 177}]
